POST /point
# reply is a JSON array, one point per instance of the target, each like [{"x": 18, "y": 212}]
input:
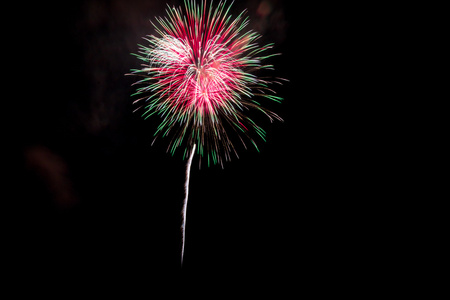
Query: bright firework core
[
  {"x": 210, "y": 87},
  {"x": 199, "y": 75},
  {"x": 204, "y": 80}
]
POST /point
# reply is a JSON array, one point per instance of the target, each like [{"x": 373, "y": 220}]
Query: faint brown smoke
[{"x": 53, "y": 172}]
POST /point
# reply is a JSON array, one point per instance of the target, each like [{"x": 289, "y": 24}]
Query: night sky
[{"x": 94, "y": 204}]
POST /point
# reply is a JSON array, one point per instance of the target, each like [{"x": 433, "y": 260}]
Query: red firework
[{"x": 199, "y": 74}]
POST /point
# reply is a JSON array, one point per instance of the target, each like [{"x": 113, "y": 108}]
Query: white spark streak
[{"x": 186, "y": 189}]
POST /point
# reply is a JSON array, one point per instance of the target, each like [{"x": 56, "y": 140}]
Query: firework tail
[
  {"x": 199, "y": 76},
  {"x": 185, "y": 202}
]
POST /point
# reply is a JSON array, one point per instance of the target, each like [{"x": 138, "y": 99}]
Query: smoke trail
[{"x": 186, "y": 188}]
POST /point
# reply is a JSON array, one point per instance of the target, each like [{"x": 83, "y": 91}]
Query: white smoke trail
[{"x": 186, "y": 189}]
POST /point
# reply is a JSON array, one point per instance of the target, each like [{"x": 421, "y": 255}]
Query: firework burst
[{"x": 199, "y": 75}]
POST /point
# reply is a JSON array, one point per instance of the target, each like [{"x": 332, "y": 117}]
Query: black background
[{"x": 93, "y": 204}]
